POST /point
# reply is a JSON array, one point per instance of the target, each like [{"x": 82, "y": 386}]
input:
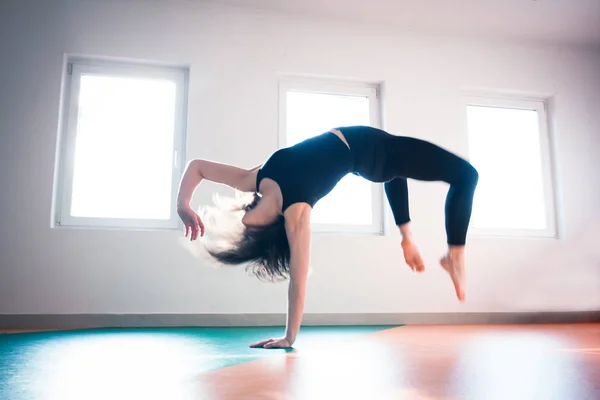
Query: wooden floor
[
  {"x": 537, "y": 362},
  {"x": 428, "y": 363}
]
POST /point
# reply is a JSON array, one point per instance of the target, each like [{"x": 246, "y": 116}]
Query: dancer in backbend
[{"x": 275, "y": 236}]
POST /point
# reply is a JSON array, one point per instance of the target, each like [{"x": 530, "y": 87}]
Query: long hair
[{"x": 265, "y": 250}]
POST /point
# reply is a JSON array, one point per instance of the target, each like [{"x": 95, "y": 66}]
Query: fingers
[
  {"x": 197, "y": 227},
  {"x": 200, "y": 225},
  {"x": 278, "y": 344},
  {"x": 194, "y": 226},
  {"x": 271, "y": 344},
  {"x": 261, "y": 343}
]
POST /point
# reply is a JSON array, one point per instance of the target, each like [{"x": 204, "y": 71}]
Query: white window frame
[
  {"x": 540, "y": 106},
  {"x": 75, "y": 67},
  {"x": 338, "y": 88}
]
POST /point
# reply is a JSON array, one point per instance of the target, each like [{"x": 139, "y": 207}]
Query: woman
[{"x": 274, "y": 237}]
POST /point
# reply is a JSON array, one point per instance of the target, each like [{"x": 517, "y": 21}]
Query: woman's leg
[
  {"x": 397, "y": 194},
  {"x": 420, "y": 160},
  {"x": 459, "y": 203}
]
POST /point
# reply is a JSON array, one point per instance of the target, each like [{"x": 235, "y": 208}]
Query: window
[
  {"x": 509, "y": 146},
  {"x": 309, "y": 108},
  {"x": 122, "y": 145}
]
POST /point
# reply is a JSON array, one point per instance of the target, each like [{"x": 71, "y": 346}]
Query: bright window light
[
  {"x": 124, "y": 148},
  {"x": 353, "y": 205},
  {"x": 507, "y": 145},
  {"x": 124, "y": 141}
]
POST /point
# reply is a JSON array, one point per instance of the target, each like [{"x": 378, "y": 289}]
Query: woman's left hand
[{"x": 278, "y": 343}]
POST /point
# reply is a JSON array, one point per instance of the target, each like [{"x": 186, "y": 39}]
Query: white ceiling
[{"x": 565, "y": 21}]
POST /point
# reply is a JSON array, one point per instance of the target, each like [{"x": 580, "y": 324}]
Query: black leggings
[{"x": 382, "y": 157}]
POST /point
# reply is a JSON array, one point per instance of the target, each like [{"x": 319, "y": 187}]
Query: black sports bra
[{"x": 306, "y": 172}]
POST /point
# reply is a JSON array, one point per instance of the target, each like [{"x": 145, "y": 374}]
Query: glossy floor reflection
[
  {"x": 427, "y": 363},
  {"x": 546, "y": 362},
  {"x": 133, "y": 363}
]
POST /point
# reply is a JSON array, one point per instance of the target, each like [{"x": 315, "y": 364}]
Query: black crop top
[{"x": 306, "y": 172}]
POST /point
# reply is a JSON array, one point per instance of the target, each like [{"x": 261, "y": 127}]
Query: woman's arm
[
  {"x": 197, "y": 170},
  {"x": 298, "y": 233},
  {"x": 297, "y": 225}
]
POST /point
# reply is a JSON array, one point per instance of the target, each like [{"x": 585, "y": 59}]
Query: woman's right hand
[{"x": 191, "y": 220}]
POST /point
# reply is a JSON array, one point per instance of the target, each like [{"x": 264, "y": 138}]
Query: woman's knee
[
  {"x": 472, "y": 175},
  {"x": 468, "y": 176}
]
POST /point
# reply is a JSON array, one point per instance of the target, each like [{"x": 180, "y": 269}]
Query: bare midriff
[{"x": 340, "y": 135}]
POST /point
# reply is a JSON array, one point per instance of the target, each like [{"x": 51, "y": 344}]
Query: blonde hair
[{"x": 264, "y": 250}]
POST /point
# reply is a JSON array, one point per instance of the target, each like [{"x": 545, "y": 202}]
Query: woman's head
[{"x": 263, "y": 247}]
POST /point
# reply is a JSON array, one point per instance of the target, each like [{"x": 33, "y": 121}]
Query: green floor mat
[{"x": 34, "y": 360}]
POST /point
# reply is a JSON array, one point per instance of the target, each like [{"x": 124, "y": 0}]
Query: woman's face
[{"x": 261, "y": 215}]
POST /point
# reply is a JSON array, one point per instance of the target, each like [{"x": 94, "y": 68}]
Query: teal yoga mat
[{"x": 30, "y": 363}]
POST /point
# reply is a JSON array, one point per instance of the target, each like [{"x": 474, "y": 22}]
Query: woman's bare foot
[
  {"x": 412, "y": 256},
  {"x": 454, "y": 263}
]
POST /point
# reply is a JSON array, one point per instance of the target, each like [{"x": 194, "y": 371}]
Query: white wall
[{"x": 235, "y": 57}]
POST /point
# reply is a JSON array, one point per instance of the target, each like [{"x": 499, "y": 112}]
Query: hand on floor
[
  {"x": 412, "y": 256},
  {"x": 280, "y": 343}
]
